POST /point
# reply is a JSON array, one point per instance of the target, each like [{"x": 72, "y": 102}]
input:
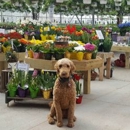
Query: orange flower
[{"x": 23, "y": 41}]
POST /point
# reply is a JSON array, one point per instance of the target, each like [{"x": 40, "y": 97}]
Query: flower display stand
[
  {"x": 106, "y": 56},
  {"x": 124, "y": 49},
  {"x": 85, "y": 66},
  {"x": 3, "y": 63},
  {"x": 17, "y": 98}
]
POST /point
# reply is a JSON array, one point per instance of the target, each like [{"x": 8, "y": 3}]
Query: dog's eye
[
  {"x": 68, "y": 66},
  {"x": 60, "y": 66}
]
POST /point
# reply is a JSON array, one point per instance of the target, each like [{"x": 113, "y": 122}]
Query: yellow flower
[
  {"x": 46, "y": 28},
  {"x": 81, "y": 32},
  {"x": 41, "y": 29},
  {"x": 53, "y": 27}
]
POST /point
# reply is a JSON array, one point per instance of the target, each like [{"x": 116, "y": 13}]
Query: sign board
[
  {"x": 2, "y": 30},
  {"x": 99, "y": 34},
  {"x": 22, "y": 66}
]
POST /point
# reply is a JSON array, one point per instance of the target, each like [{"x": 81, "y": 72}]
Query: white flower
[
  {"x": 79, "y": 48},
  {"x": 21, "y": 32}
]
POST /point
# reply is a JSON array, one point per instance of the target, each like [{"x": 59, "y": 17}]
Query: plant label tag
[
  {"x": 23, "y": 67},
  {"x": 99, "y": 34}
]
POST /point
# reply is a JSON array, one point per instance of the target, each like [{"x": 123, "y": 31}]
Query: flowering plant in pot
[
  {"x": 21, "y": 77},
  {"x": 12, "y": 87},
  {"x": 79, "y": 52},
  {"x": 10, "y": 57},
  {"x": 36, "y": 51},
  {"x": 78, "y": 88},
  {"x": 33, "y": 85},
  {"x": 89, "y": 49},
  {"x": 47, "y": 82},
  {"x": 47, "y": 50}
]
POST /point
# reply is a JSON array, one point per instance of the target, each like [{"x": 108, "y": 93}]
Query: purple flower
[
  {"x": 86, "y": 30},
  {"x": 89, "y": 47}
]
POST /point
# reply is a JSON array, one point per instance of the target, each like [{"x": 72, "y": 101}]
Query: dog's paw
[
  {"x": 74, "y": 118},
  {"x": 59, "y": 124},
  {"x": 70, "y": 125},
  {"x": 51, "y": 120}
]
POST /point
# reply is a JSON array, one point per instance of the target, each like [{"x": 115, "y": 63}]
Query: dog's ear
[
  {"x": 73, "y": 68},
  {"x": 56, "y": 66}
]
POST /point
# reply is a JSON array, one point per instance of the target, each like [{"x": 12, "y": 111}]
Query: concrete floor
[{"x": 106, "y": 108}]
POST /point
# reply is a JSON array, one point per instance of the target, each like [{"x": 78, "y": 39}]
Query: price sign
[
  {"x": 99, "y": 34},
  {"x": 2, "y": 30},
  {"x": 22, "y": 66}
]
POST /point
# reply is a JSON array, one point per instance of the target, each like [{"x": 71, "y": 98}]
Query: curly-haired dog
[{"x": 64, "y": 94}]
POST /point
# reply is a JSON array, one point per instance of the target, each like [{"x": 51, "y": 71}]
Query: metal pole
[{"x": 93, "y": 17}]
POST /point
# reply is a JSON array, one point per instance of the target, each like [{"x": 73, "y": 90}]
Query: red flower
[
  {"x": 71, "y": 29},
  {"x": 76, "y": 77}
]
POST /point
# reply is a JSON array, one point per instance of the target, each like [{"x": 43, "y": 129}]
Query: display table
[
  {"x": 85, "y": 66},
  {"x": 3, "y": 63},
  {"x": 106, "y": 56},
  {"x": 124, "y": 49}
]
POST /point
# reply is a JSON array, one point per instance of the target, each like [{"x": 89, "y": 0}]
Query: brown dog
[{"x": 64, "y": 94}]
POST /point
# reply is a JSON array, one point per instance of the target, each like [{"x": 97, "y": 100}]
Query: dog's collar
[{"x": 62, "y": 80}]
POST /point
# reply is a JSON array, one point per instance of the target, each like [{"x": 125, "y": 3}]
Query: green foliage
[
  {"x": 36, "y": 48},
  {"x": 10, "y": 56},
  {"x": 47, "y": 80},
  {"x": 6, "y": 44}
]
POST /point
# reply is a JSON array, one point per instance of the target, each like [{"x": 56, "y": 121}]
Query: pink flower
[{"x": 89, "y": 47}]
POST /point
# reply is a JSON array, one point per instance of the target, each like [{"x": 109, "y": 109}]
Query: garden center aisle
[{"x": 107, "y": 107}]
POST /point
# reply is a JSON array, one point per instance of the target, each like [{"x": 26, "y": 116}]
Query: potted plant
[
  {"x": 78, "y": 88},
  {"x": 89, "y": 49},
  {"x": 6, "y": 46},
  {"x": 33, "y": 85},
  {"x": 107, "y": 43},
  {"x": 59, "y": 52},
  {"x": 12, "y": 88},
  {"x": 36, "y": 51},
  {"x": 30, "y": 52},
  {"x": 47, "y": 50},
  {"x": 10, "y": 57},
  {"x": 79, "y": 52},
  {"x": 22, "y": 83},
  {"x": 47, "y": 82}
]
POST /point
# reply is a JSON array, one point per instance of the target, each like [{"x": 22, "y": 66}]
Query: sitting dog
[{"x": 64, "y": 94}]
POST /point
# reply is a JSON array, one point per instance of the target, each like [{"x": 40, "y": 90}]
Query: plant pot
[
  {"x": 36, "y": 55},
  {"x": 22, "y": 92},
  {"x": 48, "y": 56},
  {"x": 12, "y": 93},
  {"x": 67, "y": 54},
  {"x": 58, "y": 56},
  {"x": 73, "y": 55},
  {"x": 100, "y": 48},
  {"x": 46, "y": 94},
  {"x": 107, "y": 47},
  {"x": 33, "y": 93},
  {"x": 88, "y": 56},
  {"x": 30, "y": 53},
  {"x": 79, "y": 56},
  {"x": 94, "y": 55},
  {"x": 79, "y": 99}
]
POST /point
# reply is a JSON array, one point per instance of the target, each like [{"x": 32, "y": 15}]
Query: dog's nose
[{"x": 64, "y": 73}]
